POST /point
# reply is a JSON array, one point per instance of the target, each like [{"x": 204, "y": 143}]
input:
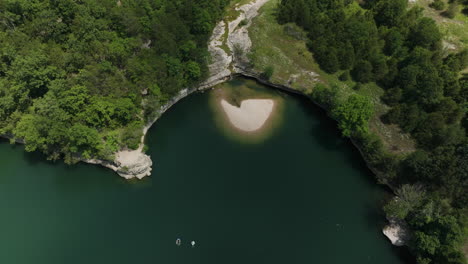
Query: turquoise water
[{"x": 302, "y": 195}]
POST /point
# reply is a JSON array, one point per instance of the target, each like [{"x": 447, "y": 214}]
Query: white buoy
[
  {"x": 193, "y": 243},
  {"x": 178, "y": 242}
]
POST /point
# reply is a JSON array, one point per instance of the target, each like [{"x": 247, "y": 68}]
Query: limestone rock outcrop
[
  {"x": 397, "y": 232},
  {"x": 133, "y": 164}
]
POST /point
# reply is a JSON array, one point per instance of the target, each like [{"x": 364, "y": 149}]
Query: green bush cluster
[
  {"x": 438, "y": 5},
  {"x": 268, "y": 72},
  {"x": 452, "y": 9}
]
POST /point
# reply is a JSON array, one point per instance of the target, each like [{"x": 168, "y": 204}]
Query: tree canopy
[{"x": 73, "y": 74}]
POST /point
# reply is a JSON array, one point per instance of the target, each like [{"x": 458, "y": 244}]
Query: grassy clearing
[
  {"x": 225, "y": 46},
  {"x": 284, "y": 48},
  {"x": 455, "y": 30},
  {"x": 273, "y": 47}
]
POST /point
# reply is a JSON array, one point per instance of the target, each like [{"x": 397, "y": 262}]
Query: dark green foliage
[
  {"x": 465, "y": 7},
  {"x": 452, "y": 9},
  {"x": 268, "y": 72},
  {"x": 362, "y": 72},
  {"x": 132, "y": 134},
  {"x": 357, "y": 86},
  {"x": 72, "y": 73},
  {"x": 346, "y": 56},
  {"x": 438, "y": 5},
  {"x": 425, "y": 34},
  {"x": 243, "y": 22},
  {"x": 353, "y": 115},
  {"x": 345, "y": 76},
  {"x": 394, "y": 41},
  {"x": 373, "y": 151},
  {"x": 409, "y": 197},
  {"x": 392, "y": 96},
  {"x": 389, "y": 12},
  {"x": 327, "y": 97}
]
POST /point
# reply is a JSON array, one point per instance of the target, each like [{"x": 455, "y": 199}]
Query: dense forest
[
  {"x": 78, "y": 79},
  {"x": 386, "y": 42}
]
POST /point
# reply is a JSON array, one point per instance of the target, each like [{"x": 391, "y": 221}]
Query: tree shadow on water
[{"x": 323, "y": 128}]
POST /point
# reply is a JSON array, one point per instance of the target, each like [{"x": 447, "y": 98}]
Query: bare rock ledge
[
  {"x": 397, "y": 232},
  {"x": 128, "y": 164}
]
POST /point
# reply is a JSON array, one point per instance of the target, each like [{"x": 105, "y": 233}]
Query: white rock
[{"x": 397, "y": 232}]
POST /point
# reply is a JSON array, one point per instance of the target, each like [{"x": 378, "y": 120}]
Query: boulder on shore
[
  {"x": 133, "y": 164},
  {"x": 397, "y": 231}
]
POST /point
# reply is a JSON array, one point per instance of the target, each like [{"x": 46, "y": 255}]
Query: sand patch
[
  {"x": 251, "y": 115},
  {"x": 246, "y": 111}
]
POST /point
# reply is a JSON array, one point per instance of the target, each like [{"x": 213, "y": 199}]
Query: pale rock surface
[
  {"x": 397, "y": 232},
  {"x": 133, "y": 164},
  {"x": 219, "y": 68},
  {"x": 239, "y": 35}
]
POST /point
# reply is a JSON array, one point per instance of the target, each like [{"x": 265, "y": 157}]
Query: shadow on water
[
  {"x": 326, "y": 130},
  {"x": 69, "y": 179}
]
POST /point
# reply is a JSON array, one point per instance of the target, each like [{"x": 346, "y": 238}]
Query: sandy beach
[{"x": 251, "y": 115}]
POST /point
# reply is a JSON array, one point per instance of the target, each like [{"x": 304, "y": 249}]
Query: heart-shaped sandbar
[{"x": 251, "y": 115}]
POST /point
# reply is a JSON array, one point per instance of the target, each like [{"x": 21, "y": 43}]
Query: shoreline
[
  {"x": 220, "y": 72},
  {"x": 236, "y": 36},
  {"x": 135, "y": 164}
]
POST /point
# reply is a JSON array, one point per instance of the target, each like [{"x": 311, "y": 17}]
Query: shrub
[
  {"x": 362, "y": 72},
  {"x": 268, "y": 72},
  {"x": 243, "y": 22},
  {"x": 324, "y": 96},
  {"x": 145, "y": 148},
  {"x": 131, "y": 135},
  {"x": 344, "y": 76},
  {"x": 392, "y": 96},
  {"x": 438, "y": 5},
  {"x": 353, "y": 115},
  {"x": 238, "y": 50},
  {"x": 452, "y": 10},
  {"x": 357, "y": 86}
]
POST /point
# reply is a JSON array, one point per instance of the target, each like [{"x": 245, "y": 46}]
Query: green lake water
[{"x": 300, "y": 195}]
